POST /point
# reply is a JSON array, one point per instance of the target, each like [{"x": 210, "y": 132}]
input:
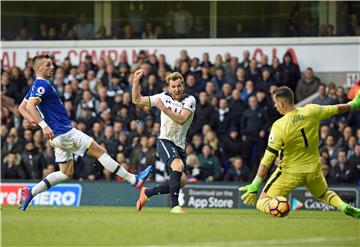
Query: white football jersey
[{"x": 170, "y": 130}]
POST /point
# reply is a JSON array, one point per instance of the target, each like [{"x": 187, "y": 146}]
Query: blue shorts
[{"x": 168, "y": 151}]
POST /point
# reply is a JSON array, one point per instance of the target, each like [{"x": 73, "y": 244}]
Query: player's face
[
  {"x": 46, "y": 68},
  {"x": 176, "y": 89}
]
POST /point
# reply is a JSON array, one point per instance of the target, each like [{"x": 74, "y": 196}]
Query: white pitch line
[{"x": 270, "y": 242}]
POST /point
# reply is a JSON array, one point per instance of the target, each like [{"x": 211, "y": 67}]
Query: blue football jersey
[{"x": 51, "y": 108}]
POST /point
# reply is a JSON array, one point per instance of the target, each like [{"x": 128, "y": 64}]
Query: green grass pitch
[{"x": 121, "y": 226}]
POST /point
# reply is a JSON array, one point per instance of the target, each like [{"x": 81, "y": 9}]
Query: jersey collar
[
  {"x": 40, "y": 78},
  {"x": 182, "y": 98}
]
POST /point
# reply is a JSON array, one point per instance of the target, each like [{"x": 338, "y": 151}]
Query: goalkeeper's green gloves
[
  {"x": 249, "y": 197},
  {"x": 355, "y": 103}
]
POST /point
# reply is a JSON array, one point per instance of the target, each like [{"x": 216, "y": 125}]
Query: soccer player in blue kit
[{"x": 42, "y": 106}]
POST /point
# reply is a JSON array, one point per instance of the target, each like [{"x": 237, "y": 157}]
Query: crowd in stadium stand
[
  {"x": 177, "y": 23},
  {"x": 233, "y": 116}
]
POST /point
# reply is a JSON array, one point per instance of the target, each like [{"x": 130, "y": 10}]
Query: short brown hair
[
  {"x": 285, "y": 93},
  {"x": 173, "y": 77},
  {"x": 38, "y": 58}
]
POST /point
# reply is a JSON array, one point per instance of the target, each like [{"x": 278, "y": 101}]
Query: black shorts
[{"x": 168, "y": 151}]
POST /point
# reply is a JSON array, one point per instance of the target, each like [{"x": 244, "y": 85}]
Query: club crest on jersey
[
  {"x": 41, "y": 90},
  {"x": 271, "y": 137}
]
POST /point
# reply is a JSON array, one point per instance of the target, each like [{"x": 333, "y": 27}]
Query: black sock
[
  {"x": 158, "y": 189},
  {"x": 175, "y": 187}
]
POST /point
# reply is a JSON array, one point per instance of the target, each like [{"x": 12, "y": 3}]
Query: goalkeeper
[{"x": 294, "y": 138}]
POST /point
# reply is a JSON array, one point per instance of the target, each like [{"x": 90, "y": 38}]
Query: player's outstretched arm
[
  {"x": 31, "y": 108},
  {"x": 136, "y": 97},
  {"x": 249, "y": 197}
]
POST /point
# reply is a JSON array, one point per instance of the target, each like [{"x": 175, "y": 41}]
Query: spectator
[
  {"x": 248, "y": 91},
  {"x": 199, "y": 29},
  {"x": 183, "y": 21},
  {"x": 213, "y": 141},
  {"x": 101, "y": 33},
  {"x": 11, "y": 145},
  {"x": 253, "y": 72},
  {"x": 354, "y": 161},
  {"x": 210, "y": 169},
  {"x": 143, "y": 155},
  {"x": 290, "y": 72},
  {"x": 264, "y": 64},
  {"x": 223, "y": 118},
  {"x": 195, "y": 67},
  {"x": 163, "y": 63},
  {"x": 11, "y": 168},
  {"x": 341, "y": 96},
  {"x": 149, "y": 32},
  {"x": 240, "y": 76},
  {"x": 192, "y": 87},
  {"x": 237, "y": 107},
  {"x": 9, "y": 89},
  {"x": 193, "y": 166},
  {"x": 238, "y": 172},
  {"x": 43, "y": 32},
  {"x": 83, "y": 29},
  {"x": 33, "y": 161},
  {"x": 246, "y": 60},
  {"x": 253, "y": 131},
  {"x": 323, "y": 98},
  {"x": 342, "y": 171},
  {"x": 265, "y": 81},
  {"x": 232, "y": 144},
  {"x": 307, "y": 85},
  {"x": 331, "y": 148},
  {"x": 204, "y": 114},
  {"x": 23, "y": 34},
  {"x": 64, "y": 29},
  {"x": 276, "y": 70},
  {"x": 206, "y": 60},
  {"x": 52, "y": 35}
]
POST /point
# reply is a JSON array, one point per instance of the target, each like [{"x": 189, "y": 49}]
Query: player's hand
[
  {"x": 48, "y": 133},
  {"x": 249, "y": 197},
  {"x": 355, "y": 103},
  {"x": 160, "y": 105},
  {"x": 137, "y": 75}
]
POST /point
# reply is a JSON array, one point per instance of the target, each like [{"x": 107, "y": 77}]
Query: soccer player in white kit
[
  {"x": 42, "y": 106},
  {"x": 177, "y": 112}
]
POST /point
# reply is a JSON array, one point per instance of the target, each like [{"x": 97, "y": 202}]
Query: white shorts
[{"x": 72, "y": 142}]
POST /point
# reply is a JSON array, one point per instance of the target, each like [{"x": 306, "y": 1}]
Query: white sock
[
  {"x": 51, "y": 180},
  {"x": 113, "y": 166}
]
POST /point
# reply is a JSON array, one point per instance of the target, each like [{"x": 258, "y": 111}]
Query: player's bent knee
[
  {"x": 177, "y": 165},
  {"x": 95, "y": 150}
]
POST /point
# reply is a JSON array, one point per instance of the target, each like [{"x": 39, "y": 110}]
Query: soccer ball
[{"x": 279, "y": 206}]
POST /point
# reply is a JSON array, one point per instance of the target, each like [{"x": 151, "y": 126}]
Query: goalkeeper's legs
[
  {"x": 316, "y": 184},
  {"x": 262, "y": 203},
  {"x": 331, "y": 198},
  {"x": 279, "y": 184}
]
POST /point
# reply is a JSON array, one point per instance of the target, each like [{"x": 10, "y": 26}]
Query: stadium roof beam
[
  {"x": 213, "y": 19},
  {"x": 102, "y": 14}
]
